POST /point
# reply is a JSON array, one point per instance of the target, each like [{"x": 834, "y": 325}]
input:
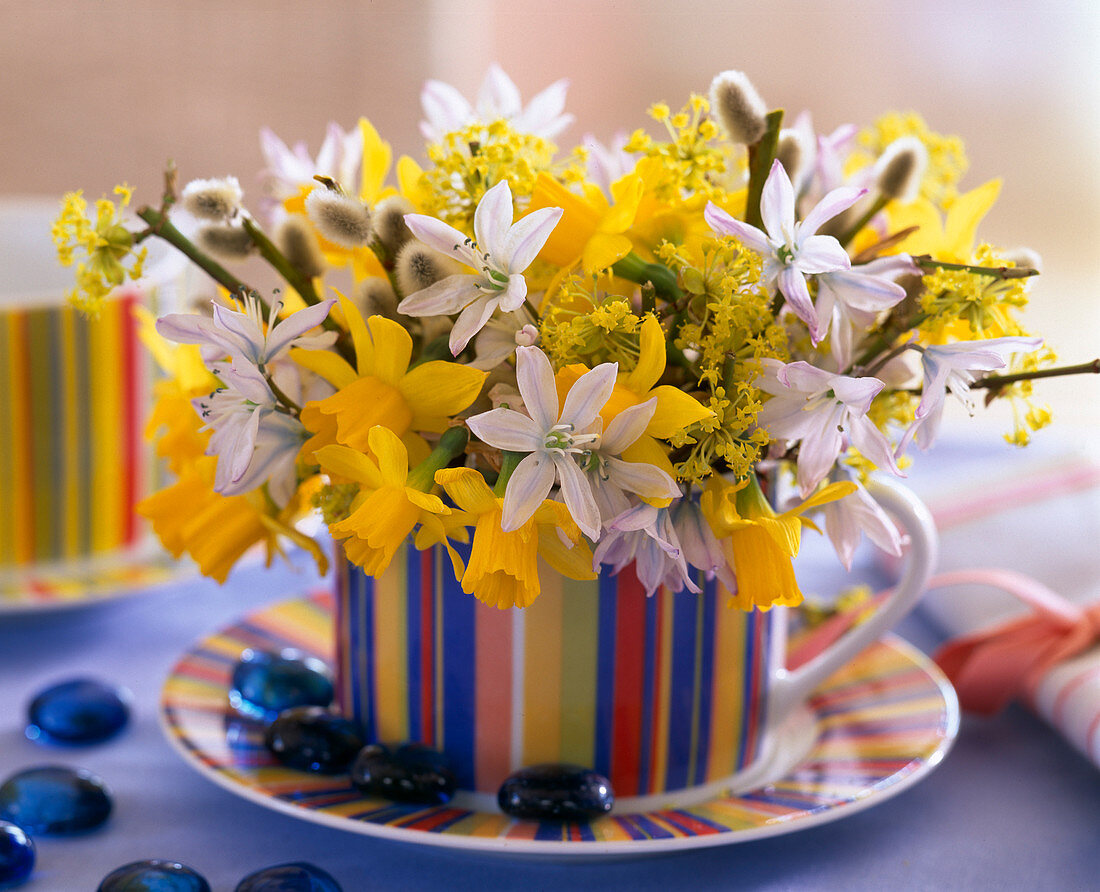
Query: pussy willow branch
[
  {"x": 162, "y": 228},
  {"x": 996, "y": 381}
]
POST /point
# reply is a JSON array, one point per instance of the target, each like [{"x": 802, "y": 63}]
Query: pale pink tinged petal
[
  {"x": 870, "y": 441},
  {"x": 876, "y": 523},
  {"x": 526, "y": 238},
  {"x": 859, "y": 291},
  {"x": 588, "y": 395},
  {"x": 330, "y": 151},
  {"x": 819, "y": 449},
  {"x": 274, "y": 150},
  {"x": 437, "y": 234},
  {"x": 792, "y": 285},
  {"x": 768, "y": 380},
  {"x": 934, "y": 389},
  {"x": 535, "y": 379},
  {"x": 823, "y": 312},
  {"x": 190, "y": 328},
  {"x": 295, "y": 325},
  {"x": 250, "y": 383},
  {"x": 469, "y": 322},
  {"x": 892, "y": 267},
  {"x": 832, "y": 204},
  {"x": 929, "y": 427},
  {"x": 647, "y": 480},
  {"x": 577, "y": 493},
  {"x": 777, "y": 203},
  {"x": 805, "y": 378},
  {"x": 821, "y": 254},
  {"x": 785, "y": 419},
  {"x": 627, "y": 426},
  {"x": 543, "y": 113},
  {"x": 498, "y": 95},
  {"x": 515, "y": 295},
  {"x": 445, "y": 108},
  {"x": 241, "y": 328},
  {"x": 442, "y": 298},
  {"x": 507, "y": 429},
  {"x": 723, "y": 224},
  {"x": 492, "y": 219},
  {"x": 841, "y": 340},
  {"x": 637, "y": 518},
  {"x": 528, "y": 486},
  {"x": 242, "y": 448},
  {"x": 857, "y": 393},
  {"x": 843, "y": 530}
]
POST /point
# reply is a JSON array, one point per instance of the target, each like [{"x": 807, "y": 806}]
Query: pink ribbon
[{"x": 990, "y": 667}]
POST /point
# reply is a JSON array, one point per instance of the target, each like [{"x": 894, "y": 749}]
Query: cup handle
[{"x": 790, "y": 687}]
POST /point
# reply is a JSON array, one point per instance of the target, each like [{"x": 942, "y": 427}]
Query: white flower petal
[
  {"x": 498, "y": 97},
  {"x": 723, "y": 224},
  {"x": 792, "y": 285},
  {"x": 442, "y": 298},
  {"x": 280, "y": 336},
  {"x": 647, "y": 480},
  {"x": 492, "y": 219},
  {"x": 526, "y": 238},
  {"x": 506, "y": 429},
  {"x": 535, "y": 379},
  {"x": 445, "y": 239},
  {"x": 577, "y": 493},
  {"x": 832, "y": 204},
  {"x": 627, "y": 426},
  {"x": 588, "y": 395},
  {"x": 469, "y": 322},
  {"x": 528, "y": 486},
  {"x": 821, "y": 254}
]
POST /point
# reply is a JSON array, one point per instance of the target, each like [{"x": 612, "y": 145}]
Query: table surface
[{"x": 1011, "y": 807}]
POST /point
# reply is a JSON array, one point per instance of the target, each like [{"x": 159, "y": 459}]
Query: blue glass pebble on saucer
[
  {"x": 264, "y": 684},
  {"x": 310, "y": 738},
  {"x": 556, "y": 792},
  {"x": 411, "y": 773},
  {"x": 296, "y": 877},
  {"x": 154, "y": 875},
  {"x": 16, "y": 855},
  {"x": 78, "y": 711},
  {"x": 54, "y": 800}
]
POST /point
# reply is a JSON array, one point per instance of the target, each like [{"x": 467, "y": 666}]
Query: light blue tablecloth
[{"x": 1012, "y": 806}]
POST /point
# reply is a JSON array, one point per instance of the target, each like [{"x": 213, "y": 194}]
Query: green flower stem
[
  {"x": 293, "y": 277},
  {"x": 162, "y": 228},
  {"x": 993, "y": 382},
  {"x": 878, "y": 204},
  {"x": 996, "y": 272},
  {"x": 634, "y": 269},
  {"x": 511, "y": 461},
  {"x": 451, "y": 445},
  {"x": 761, "y": 156}
]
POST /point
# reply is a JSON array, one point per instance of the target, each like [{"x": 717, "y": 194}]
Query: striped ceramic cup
[
  {"x": 676, "y": 693},
  {"x": 72, "y": 393}
]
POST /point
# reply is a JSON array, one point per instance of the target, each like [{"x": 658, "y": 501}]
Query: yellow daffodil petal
[
  {"x": 578, "y": 222},
  {"x": 675, "y": 411},
  {"x": 575, "y": 562},
  {"x": 377, "y": 157},
  {"x": 765, "y": 576},
  {"x": 361, "y": 405},
  {"x": 651, "y": 357},
  {"x": 390, "y": 350},
  {"x": 965, "y": 214},
  {"x": 393, "y": 458},
  {"x": 829, "y": 493},
  {"x": 409, "y": 181},
  {"x": 334, "y": 369},
  {"x": 468, "y": 489},
  {"x": 627, "y": 192},
  {"x": 416, "y": 446},
  {"x": 441, "y": 388},
  {"x": 426, "y": 501},
  {"x": 604, "y": 249},
  {"x": 346, "y": 462},
  {"x": 647, "y": 450}
]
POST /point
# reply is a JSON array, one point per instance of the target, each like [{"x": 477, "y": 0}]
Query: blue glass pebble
[
  {"x": 412, "y": 773},
  {"x": 153, "y": 876},
  {"x": 311, "y": 738},
  {"x": 264, "y": 684},
  {"x": 16, "y": 855},
  {"x": 296, "y": 877},
  {"x": 81, "y": 710},
  {"x": 54, "y": 800},
  {"x": 556, "y": 792}
]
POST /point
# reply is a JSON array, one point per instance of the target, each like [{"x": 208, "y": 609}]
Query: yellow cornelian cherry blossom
[
  {"x": 382, "y": 389},
  {"x": 502, "y": 570}
]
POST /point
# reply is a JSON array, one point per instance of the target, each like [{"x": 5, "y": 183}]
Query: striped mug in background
[
  {"x": 675, "y": 695},
  {"x": 73, "y": 394}
]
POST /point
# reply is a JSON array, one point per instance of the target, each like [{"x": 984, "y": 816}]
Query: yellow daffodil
[
  {"x": 591, "y": 231},
  {"x": 503, "y": 567},
  {"x": 950, "y": 239},
  {"x": 386, "y": 510},
  {"x": 675, "y": 410},
  {"x": 382, "y": 389},
  {"x": 759, "y": 543}
]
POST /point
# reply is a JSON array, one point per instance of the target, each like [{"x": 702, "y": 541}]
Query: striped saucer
[{"x": 869, "y": 732}]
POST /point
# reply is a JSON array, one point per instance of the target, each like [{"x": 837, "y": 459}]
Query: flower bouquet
[{"x": 659, "y": 358}]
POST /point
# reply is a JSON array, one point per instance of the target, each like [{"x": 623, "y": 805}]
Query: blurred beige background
[{"x": 95, "y": 93}]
